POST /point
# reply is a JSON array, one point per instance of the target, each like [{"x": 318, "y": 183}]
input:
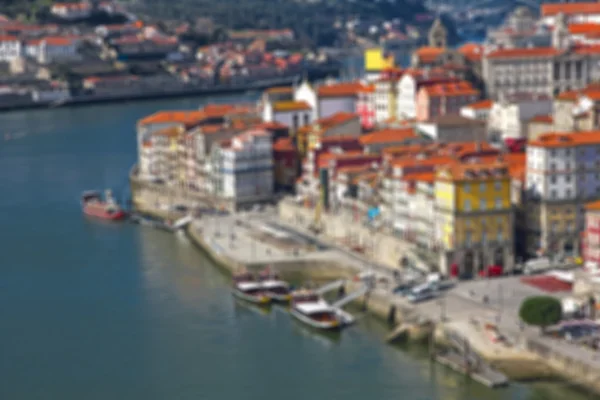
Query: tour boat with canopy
[
  {"x": 308, "y": 307},
  {"x": 277, "y": 289},
  {"x": 246, "y": 287}
]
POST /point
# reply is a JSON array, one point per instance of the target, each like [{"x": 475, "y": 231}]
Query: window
[
  {"x": 483, "y": 237},
  {"x": 553, "y": 167},
  {"x": 568, "y": 193},
  {"x": 295, "y": 121},
  {"x": 498, "y": 186},
  {"x": 552, "y": 153},
  {"x": 482, "y": 187},
  {"x": 468, "y": 238},
  {"x": 467, "y": 188},
  {"x": 482, "y": 205},
  {"x": 553, "y": 194},
  {"x": 306, "y": 119},
  {"x": 568, "y": 178},
  {"x": 467, "y": 205},
  {"x": 500, "y": 235},
  {"x": 553, "y": 179},
  {"x": 498, "y": 203}
]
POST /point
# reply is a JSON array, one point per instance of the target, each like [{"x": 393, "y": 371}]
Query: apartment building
[
  {"x": 444, "y": 99},
  {"x": 510, "y": 115},
  {"x": 565, "y": 65},
  {"x": 475, "y": 221},
  {"x": 563, "y": 173},
  {"x": 591, "y": 235}
]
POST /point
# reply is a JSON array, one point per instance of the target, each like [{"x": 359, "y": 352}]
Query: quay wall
[{"x": 380, "y": 246}]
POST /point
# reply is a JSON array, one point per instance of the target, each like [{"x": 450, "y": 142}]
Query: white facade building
[
  {"x": 290, "y": 113},
  {"x": 72, "y": 11},
  {"x": 51, "y": 49},
  {"x": 241, "y": 169},
  {"x": 510, "y": 115},
  {"x": 10, "y": 48}
]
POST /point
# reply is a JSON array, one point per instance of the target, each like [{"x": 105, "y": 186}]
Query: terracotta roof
[
  {"x": 462, "y": 88},
  {"x": 471, "y": 51},
  {"x": 524, "y": 52},
  {"x": 170, "y": 132},
  {"x": 284, "y": 144},
  {"x": 474, "y": 171},
  {"x": 367, "y": 88},
  {"x": 280, "y": 89},
  {"x": 593, "y": 206},
  {"x": 339, "y": 138},
  {"x": 429, "y": 54},
  {"x": 548, "y": 10},
  {"x": 345, "y": 89},
  {"x": 58, "y": 41},
  {"x": 584, "y": 28},
  {"x": 285, "y": 106},
  {"x": 546, "y": 119},
  {"x": 8, "y": 39},
  {"x": 336, "y": 119},
  {"x": 566, "y": 139},
  {"x": 388, "y": 136},
  {"x": 481, "y": 105},
  {"x": 433, "y": 161},
  {"x": 165, "y": 117},
  {"x": 428, "y": 177}
]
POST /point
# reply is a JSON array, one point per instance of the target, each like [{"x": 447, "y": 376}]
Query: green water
[{"x": 90, "y": 310}]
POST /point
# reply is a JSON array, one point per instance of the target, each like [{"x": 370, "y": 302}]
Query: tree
[{"x": 541, "y": 311}]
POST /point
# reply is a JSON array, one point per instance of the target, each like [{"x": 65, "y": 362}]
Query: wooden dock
[{"x": 481, "y": 373}]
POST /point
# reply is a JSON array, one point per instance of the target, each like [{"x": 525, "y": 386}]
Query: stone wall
[{"x": 381, "y": 247}]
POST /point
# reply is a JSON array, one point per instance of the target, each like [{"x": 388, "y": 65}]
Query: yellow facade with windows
[{"x": 474, "y": 213}]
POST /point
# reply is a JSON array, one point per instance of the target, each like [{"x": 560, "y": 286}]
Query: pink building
[
  {"x": 365, "y": 106},
  {"x": 591, "y": 242},
  {"x": 443, "y": 99}
]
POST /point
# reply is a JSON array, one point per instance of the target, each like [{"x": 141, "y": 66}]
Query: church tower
[{"x": 438, "y": 35}]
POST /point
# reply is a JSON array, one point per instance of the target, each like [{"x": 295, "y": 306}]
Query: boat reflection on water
[
  {"x": 326, "y": 338},
  {"x": 242, "y": 307}
]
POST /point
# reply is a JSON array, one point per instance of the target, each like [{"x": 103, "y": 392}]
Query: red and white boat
[
  {"x": 94, "y": 206},
  {"x": 246, "y": 287},
  {"x": 308, "y": 307}
]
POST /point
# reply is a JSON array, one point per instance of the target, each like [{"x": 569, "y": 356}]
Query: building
[
  {"x": 474, "y": 217},
  {"x": 241, "y": 169},
  {"x": 286, "y": 164},
  {"x": 544, "y": 70},
  {"x": 376, "y": 141},
  {"x": 519, "y": 30},
  {"x": 365, "y": 106},
  {"x": 409, "y": 85},
  {"x": 386, "y": 90},
  {"x": 577, "y": 110},
  {"x": 10, "y": 48},
  {"x": 562, "y": 174},
  {"x": 452, "y": 129},
  {"x": 377, "y": 61},
  {"x": 511, "y": 114},
  {"x": 591, "y": 235},
  {"x": 444, "y": 99},
  {"x": 577, "y": 12},
  {"x": 72, "y": 11},
  {"x": 52, "y": 49},
  {"x": 479, "y": 110},
  {"x": 339, "y": 124},
  {"x": 291, "y": 113},
  {"x": 539, "y": 125}
]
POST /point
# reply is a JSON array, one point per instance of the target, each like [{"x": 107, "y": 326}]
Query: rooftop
[
  {"x": 344, "y": 89},
  {"x": 481, "y": 105},
  {"x": 566, "y": 139},
  {"x": 287, "y": 106},
  {"x": 388, "y": 136},
  {"x": 548, "y": 10}
]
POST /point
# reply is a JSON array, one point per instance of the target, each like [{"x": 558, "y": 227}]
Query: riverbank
[{"x": 180, "y": 91}]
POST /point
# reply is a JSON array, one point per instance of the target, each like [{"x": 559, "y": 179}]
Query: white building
[
  {"x": 479, "y": 110},
  {"x": 562, "y": 173},
  {"x": 291, "y": 113},
  {"x": 544, "y": 70},
  {"x": 408, "y": 86},
  {"x": 72, "y": 11},
  {"x": 453, "y": 128},
  {"x": 10, "y": 48},
  {"x": 575, "y": 12},
  {"x": 51, "y": 49},
  {"x": 241, "y": 169},
  {"x": 510, "y": 115},
  {"x": 330, "y": 98}
]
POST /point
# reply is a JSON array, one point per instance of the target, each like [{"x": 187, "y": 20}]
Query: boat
[
  {"x": 309, "y": 308},
  {"x": 246, "y": 287},
  {"x": 95, "y": 206},
  {"x": 278, "y": 290},
  {"x": 163, "y": 224}
]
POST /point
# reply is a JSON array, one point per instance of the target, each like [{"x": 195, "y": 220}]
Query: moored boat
[
  {"x": 95, "y": 206},
  {"x": 246, "y": 287},
  {"x": 276, "y": 288},
  {"x": 308, "y": 307},
  {"x": 252, "y": 292}
]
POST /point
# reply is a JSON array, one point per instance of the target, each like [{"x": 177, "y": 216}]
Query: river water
[{"x": 91, "y": 310}]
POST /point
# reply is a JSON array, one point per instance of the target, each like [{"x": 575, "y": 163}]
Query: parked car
[
  {"x": 537, "y": 265},
  {"x": 404, "y": 289},
  {"x": 417, "y": 296}
]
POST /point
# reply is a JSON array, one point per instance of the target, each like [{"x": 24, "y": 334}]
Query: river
[{"x": 92, "y": 310}]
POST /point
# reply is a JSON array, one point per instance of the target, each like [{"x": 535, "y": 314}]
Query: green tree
[{"x": 541, "y": 311}]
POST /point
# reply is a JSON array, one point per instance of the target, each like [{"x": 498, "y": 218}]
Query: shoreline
[{"x": 158, "y": 94}]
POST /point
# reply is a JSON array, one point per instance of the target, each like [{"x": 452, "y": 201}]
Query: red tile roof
[
  {"x": 524, "y": 52},
  {"x": 548, "y": 10},
  {"x": 344, "y": 89},
  {"x": 388, "y": 136}
]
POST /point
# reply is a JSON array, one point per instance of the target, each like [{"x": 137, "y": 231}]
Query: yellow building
[
  {"x": 376, "y": 61},
  {"x": 475, "y": 216}
]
